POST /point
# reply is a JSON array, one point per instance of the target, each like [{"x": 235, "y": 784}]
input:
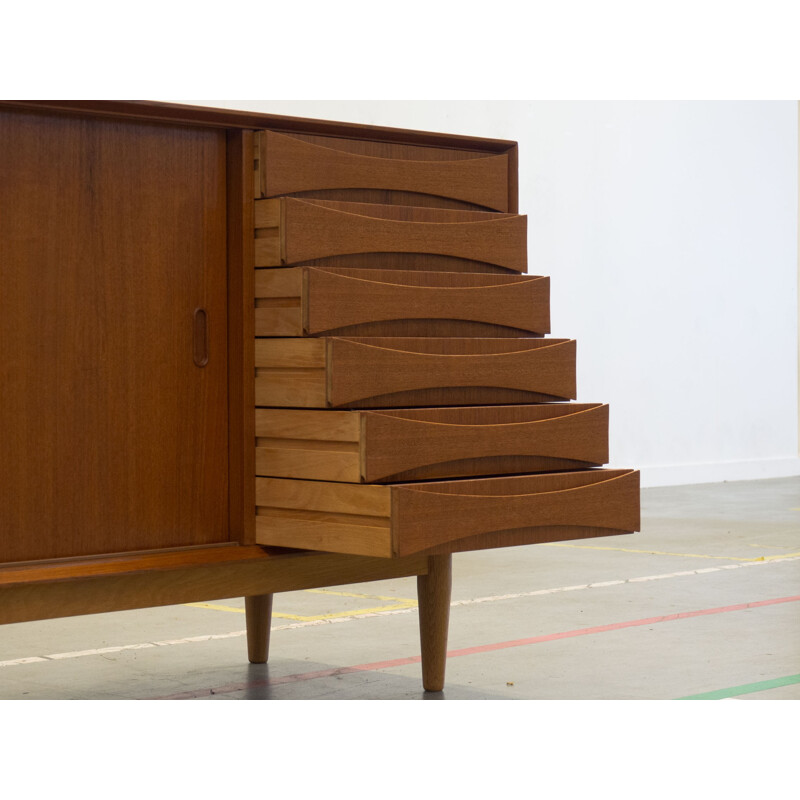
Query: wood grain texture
[
  {"x": 278, "y": 299},
  {"x": 320, "y": 445},
  {"x": 228, "y": 118},
  {"x": 77, "y": 569},
  {"x": 290, "y": 372},
  {"x": 433, "y": 593},
  {"x": 112, "y": 234},
  {"x": 315, "y": 229},
  {"x": 293, "y": 165},
  {"x": 241, "y": 371},
  {"x": 297, "y": 388},
  {"x": 334, "y": 517},
  {"x": 446, "y": 516},
  {"x": 314, "y": 460},
  {"x": 290, "y": 353},
  {"x": 433, "y": 514},
  {"x": 313, "y": 301},
  {"x": 523, "y": 536},
  {"x": 258, "y": 611},
  {"x": 338, "y": 498},
  {"x": 45, "y": 594},
  {"x": 429, "y": 443},
  {"x": 330, "y": 533},
  {"x": 384, "y": 372},
  {"x": 287, "y": 423},
  {"x": 438, "y": 443},
  {"x": 337, "y": 299},
  {"x": 302, "y": 444},
  {"x": 513, "y": 179}
]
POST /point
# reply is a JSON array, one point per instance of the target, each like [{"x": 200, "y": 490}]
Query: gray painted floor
[{"x": 704, "y": 600}]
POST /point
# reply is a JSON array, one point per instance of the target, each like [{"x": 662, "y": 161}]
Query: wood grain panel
[
  {"x": 442, "y": 516},
  {"x": 429, "y": 443},
  {"x": 435, "y": 443},
  {"x": 290, "y": 353},
  {"x": 316, "y": 515},
  {"x": 523, "y": 536},
  {"x": 384, "y": 372},
  {"x": 290, "y": 372},
  {"x": 278, "y": 320},
  {"x": 229, "y": 118},
  {"x": 300, "y": 388},
  {"x": 314, "y": 301},
  {"x": 284, "y": 458},
  {"x": 366, "y": 370},
  {"x": 112, "y": 233},
  {"x": 319, "y": 229},
  {"x": 331, "y": 426},
  {"x": 308, "y": 444},
  {"x": 336, "y": 498},
  {"x": 432, "y": 514},
  {"x": 240, "y": 333},
  {"x": 292, "y": 165},
  {"x": 335, "y": 300},
  {"x": 45, "y": 592},
  {"x": 326, "y": 532}
]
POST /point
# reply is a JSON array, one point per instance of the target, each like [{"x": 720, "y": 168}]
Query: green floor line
[{"x": 747, "y": 688}]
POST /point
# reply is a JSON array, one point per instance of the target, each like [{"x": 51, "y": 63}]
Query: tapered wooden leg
[
  {"x": 433, "y": 593},
  {"x": 258, "y": 613}
]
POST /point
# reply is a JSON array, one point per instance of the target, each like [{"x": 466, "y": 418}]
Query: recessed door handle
[{"x": 200, "y": 338}]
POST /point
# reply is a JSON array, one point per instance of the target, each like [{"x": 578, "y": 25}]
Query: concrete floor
[{"x": 704, "y": 601}]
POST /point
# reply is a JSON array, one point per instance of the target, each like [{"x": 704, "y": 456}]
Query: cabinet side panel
[{"x": 112, "y": 235}]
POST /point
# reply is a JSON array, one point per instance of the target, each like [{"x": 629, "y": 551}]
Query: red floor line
[{"x": 466, "y": 651}]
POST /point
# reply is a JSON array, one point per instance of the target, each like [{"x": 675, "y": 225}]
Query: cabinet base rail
[{"x": 94, "y": 586}]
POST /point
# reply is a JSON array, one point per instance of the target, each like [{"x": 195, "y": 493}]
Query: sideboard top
[{"x": 228, "y": 118}]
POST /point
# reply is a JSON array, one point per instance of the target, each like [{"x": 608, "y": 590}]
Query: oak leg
[
  {"x": 258, "y": 613},
  {"x": 433, "y": 593}
]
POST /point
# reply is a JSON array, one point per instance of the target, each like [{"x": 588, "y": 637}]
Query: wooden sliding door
[{"x": 113, "y": 336}]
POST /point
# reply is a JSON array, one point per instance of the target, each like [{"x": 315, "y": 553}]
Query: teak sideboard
[{"x": 243, "y": 354}]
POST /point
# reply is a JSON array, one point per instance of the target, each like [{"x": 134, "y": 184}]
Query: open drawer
[
  {"x": 335, "y": 168},
  {"x": 447, "y": 516},
  {"x": 382, "y": 372},
  {"x": 291, "y": 231},
  {"x": 428, "y": 443},
  {"x": 309, "y": 301}
]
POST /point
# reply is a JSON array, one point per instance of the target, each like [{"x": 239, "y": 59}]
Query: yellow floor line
[
  {"x": 215, "y": 607},
  {"x": 403, "y": 603},
  {"x": 356, "y": 613},
  {"x": 351, "y": 594},
  {"x": 660, "y": 553}
]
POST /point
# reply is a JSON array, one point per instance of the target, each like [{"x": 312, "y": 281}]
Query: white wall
[{"x": 670, "y": 233}]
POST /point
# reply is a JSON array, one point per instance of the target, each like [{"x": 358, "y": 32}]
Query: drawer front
[
  {"x": 448, "y": 516},
  {"x": 463, "y": 442},
  {"x": 378, "y": 172},
  {"x": 527, "y": 509},
  {"x": 385, "y": 372},
  {"x": 291, "y": 231},
  {"x": 429, "y": 443},
  {"x": 312, "y": 301}
]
